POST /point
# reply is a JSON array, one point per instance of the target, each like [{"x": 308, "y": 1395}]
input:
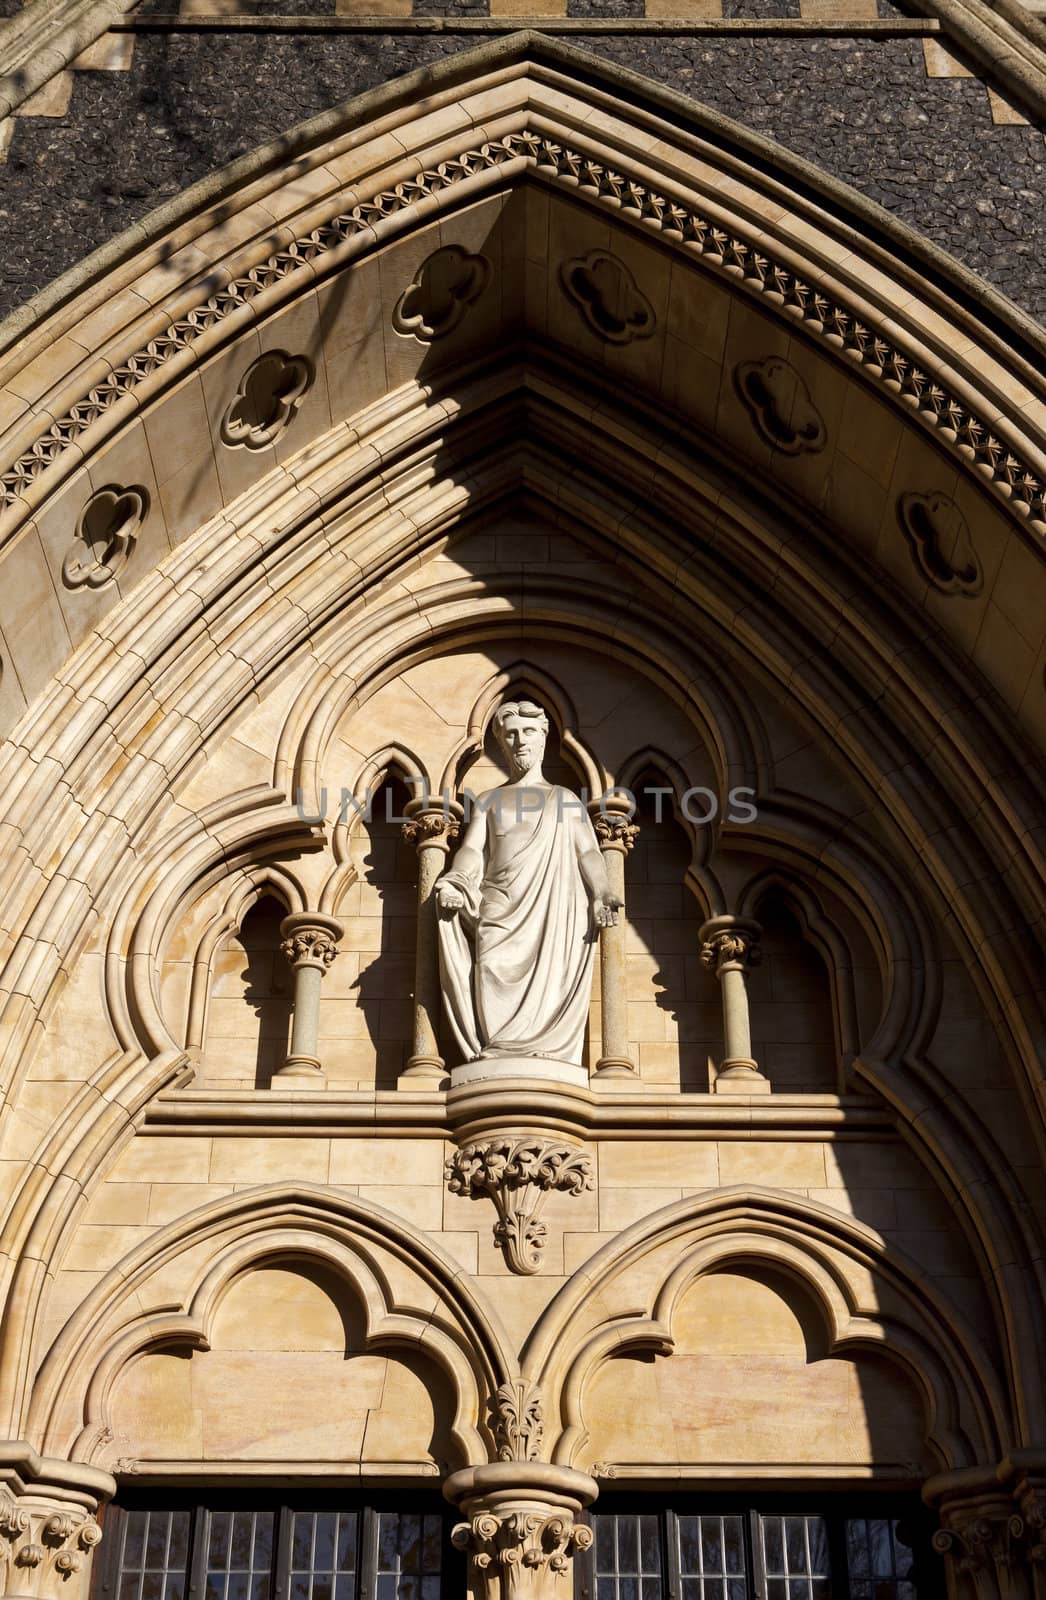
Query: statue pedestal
[{"x": 488, "y": 1069}]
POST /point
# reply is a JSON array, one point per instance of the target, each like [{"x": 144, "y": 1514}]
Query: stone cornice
[{"x": 603, "y": 1113}]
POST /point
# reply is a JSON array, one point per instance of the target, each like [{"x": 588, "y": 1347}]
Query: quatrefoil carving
[
  {"x": 269, "y": 394},
  {"x": 608, "y": 297},
  {"x": 106, "y": 534},
  {"x": 940, "y": 542},
  {"x": 446, "y": 284},
  {"x": 780, "y": 405}
]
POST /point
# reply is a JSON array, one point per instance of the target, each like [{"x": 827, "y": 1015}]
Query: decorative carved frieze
[
  {"x": 940, "y": 542},
  {"x": 517, "y": 1174},
  {"x": 446, "y": 285},
  {"x": 517, "y": 1421},
  {"x": 106, "y": 534},
  {"x": 516, "y": 1552},
  {"x": 779, "y": 403},
  {"x": 1021, "y": 485},
  {"x": 269, "y": 394},
  {"x": 41, "y": 1549},
  {"x": 608, "y": 297}
]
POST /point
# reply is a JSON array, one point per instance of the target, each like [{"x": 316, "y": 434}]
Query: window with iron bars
[
  {"x": 167, "y": 1548},
  {"x": 719, "y": 1548}
]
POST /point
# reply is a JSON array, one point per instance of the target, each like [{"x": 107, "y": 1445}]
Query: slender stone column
[
  {"x": 48, "y": 1533},
  {"x": 520, "y": 1531},
  {"x": 310, "y": 943},
  {"x": 729, "y": 946},
  {"x": 430, "y": 826},
  {"x": 617, "y": 833}
]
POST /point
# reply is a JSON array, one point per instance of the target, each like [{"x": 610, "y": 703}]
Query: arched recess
[
  {"x": 410, "y": 1295},
  {"x": 869, "y": 1299},
  {"x": 753, "y": 563}
]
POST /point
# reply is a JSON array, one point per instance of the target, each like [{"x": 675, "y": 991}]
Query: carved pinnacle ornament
[
  {"x": 615, "y": 832},
  {"x": 40, "y": 1551},
  {"x": 432, "y": 827},
  {"x": 514, "y": 1552},
  {"x": 517, "y": 1421},
  {"x": 313, "y": 947},
  {"x": 517, "y": 1174}
]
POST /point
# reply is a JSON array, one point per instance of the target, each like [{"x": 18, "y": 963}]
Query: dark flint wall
[{"x": 861, "y": 107}]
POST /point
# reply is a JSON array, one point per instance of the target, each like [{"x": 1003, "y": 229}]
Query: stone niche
[
  {"x": 286, "y": 1380},
  {"x": 751, "y": 1383}
]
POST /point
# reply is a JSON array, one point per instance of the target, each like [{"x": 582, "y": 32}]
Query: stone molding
[
  {"x": 949, "y": 411},
  {"x": 517, "y": 1174}
]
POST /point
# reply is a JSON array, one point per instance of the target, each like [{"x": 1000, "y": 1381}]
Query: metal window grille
[
  {"x": 324, "y": 1555},
  {"x": 239, "y": 1555},
  {"x": 711, "y": 1554},
  {"x": 795, "y": 1557},
  {"x": 881, "y": 1566},
  {"x": 154, "y": 1555},
  {"x": 627, "y": 1554},
  {"x": 409, "y": 1562}
]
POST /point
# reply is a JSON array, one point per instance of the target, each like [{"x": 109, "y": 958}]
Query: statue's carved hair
[{"x": 518, "y": 708}]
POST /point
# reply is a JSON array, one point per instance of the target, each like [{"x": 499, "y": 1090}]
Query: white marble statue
[{"x": 520, "y": 909}]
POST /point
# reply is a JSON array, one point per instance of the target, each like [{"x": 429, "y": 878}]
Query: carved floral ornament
[
  {"x": 615, "y": 832},
  {"x": 314, "y": 947},
  {"x": 734, "y": 947},
  {"x": 445, "y": 286},
  {"x": 106, "y": 534},
  {"x": 432, "y": 827},
  {"x": 517, "y": 1174},
  {"x": 823, "y": 316},
  {"x": 517, "y": 1421}
]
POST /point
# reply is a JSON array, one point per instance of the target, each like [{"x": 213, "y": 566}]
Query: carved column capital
[
  {"x": 615, "y": 830},
  {"x": 310, "y": 939},
  {"x": 517, "y": 1173},
  {"x": 730, "y": 944},
  {"x": 520, "y": 1531},
  {"x": 47, "y": 1527},
  {"x": 987, "y": 1540},
  {"x": 431, "y": 824}
]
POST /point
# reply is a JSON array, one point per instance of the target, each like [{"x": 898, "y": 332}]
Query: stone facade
[{"x": 535, "y": 385}]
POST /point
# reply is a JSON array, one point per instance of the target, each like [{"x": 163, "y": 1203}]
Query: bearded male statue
[{"x": 520, "y": 908}]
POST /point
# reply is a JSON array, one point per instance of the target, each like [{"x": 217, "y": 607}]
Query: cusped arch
[
  {"x": 429, "y": 1308},
  {"x": 870, "y": 1297}
]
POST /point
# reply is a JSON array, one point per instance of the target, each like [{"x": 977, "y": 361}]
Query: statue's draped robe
[{"x": 516, "y": 962}]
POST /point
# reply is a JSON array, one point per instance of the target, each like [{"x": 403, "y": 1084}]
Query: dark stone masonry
[{"x": 861, "y": 108}]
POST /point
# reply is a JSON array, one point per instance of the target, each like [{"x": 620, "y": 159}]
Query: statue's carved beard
[{"x": 520, "y": 765}]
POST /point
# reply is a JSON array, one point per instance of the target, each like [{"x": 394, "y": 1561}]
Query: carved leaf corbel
[{"x": 517, "y": 1174}]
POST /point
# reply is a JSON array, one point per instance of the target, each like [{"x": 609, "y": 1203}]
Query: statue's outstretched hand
[
  {"x": 449, "y": 899},
  {"x": 605, "y": 909}
]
